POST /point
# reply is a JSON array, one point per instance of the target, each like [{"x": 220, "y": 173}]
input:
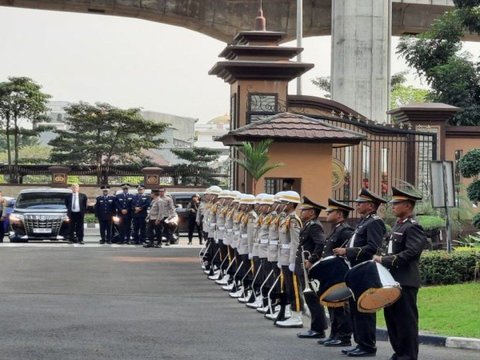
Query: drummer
[
  {"x": 312, "y": 241},
  {"x": 365, "y": 242},
  {"x": 340, "y": 323},
  {"x": 405, "y": 245}
]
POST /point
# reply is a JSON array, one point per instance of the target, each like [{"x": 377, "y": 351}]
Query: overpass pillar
[{"x": 360, "y": 55}]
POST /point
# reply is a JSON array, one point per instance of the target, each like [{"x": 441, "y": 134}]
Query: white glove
[
  {"x": 291, "y": 267},
  {"x": 216, "y": 241},
  {"x": 279, "y": 266},
  {"x": 250, "y": 256}
]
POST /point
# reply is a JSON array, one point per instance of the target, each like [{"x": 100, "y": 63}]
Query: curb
[{"x": 437, "y": 340}]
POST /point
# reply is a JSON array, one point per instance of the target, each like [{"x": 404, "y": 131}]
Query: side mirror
[{"x": 179, "y": 206}]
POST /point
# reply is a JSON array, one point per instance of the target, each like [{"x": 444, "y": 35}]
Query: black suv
[
  {"x": 181, "y": 200},
  {"x": 39, "y": 214}
]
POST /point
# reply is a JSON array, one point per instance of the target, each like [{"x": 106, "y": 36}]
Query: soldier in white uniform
[
  {"x": 265, "y": 203},
  {"x": 245, "y": 230},
  {"x": 228, "y": 238},
  {"x": 224, "y": 200},
  {"x": 272, "y": 312},
  {"x": 289, "y": 235}
]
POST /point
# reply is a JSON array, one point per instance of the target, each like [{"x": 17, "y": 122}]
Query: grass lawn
[{"x": 450, "y": 310}]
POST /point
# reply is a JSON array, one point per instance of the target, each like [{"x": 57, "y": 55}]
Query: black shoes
[
  {"x": 323, "y": 341},
  {"x": 148, "y": 245},
  {"x": 337, "y": 342},
  {"x": 346, "y": 351},
  {"x": 102, "y": 242},
  {"x": 361, "y": 353},
  {"x": 310, "y": 334}
]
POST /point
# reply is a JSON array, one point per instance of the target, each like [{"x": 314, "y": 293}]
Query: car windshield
[{"x": 41, "y": 201}]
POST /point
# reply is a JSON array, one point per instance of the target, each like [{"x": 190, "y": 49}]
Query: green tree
[
  {"x": 255, "y": 160},
  {"x": 102, "y": 134},
  {"x": 436, "y": 55},
  {"x": 469, "y": 166},
  {"x": 401, "y": 94},
  {"x": 21, "y": 99},
  {"x": 324, "y": 83},
  {"x": 31, "y": 154},
  {"x": 198, "y": 169}
]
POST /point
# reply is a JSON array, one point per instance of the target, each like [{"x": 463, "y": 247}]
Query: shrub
[
  {"x": 439, "y": 267},
  {"x": 473, "y": 191},
  {"x": 476, "y": 221},
  {"x": 90, "y": 219},
  {"x": 430, "y": 222},
  {"x": 469, "y": 164}
]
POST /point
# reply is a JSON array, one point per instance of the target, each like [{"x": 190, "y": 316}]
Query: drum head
[
  {"x": 335, "y": 294},
  {"x": 373, "y": 299}
]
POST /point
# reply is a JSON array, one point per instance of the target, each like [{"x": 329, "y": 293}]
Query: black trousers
[
  {"x": 139, "y": 230},
  {"x": 76, "y": 226},
  {"x": 292, "y": 289},
  {"x": 317, "y": 311},
  {"x": 125, "y": 228},
  {"x": 364, "y": 328},
  {"x": 340, "y": 322},
  {"x": 192, "y": 225},
  {"x": 154, "y": 232},
  {"x": 105, "y": 229},
  {"x": 2, "y": 227},
  {"x": 402, "y": 324}
]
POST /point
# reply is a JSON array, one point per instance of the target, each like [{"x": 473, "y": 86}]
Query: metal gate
[{"x": 389, "y": 156}]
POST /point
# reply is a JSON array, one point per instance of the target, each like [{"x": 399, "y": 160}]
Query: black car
[
  {"x": 181, "y": 201},
  {"x": 39, "y": 214}
]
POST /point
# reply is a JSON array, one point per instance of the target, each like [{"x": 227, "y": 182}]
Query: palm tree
[{"x": 256, "y": 159}]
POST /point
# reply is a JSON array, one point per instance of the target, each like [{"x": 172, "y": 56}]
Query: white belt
[
  {"x": 221, "y": 228},
  {"x": 236, "y": 233},
  {"x": 244, "y": 236},
  {"x": 273, "y": 242},
  {"x": 264, "y": 241},
  {"x": 213, "y": 224},
  {"x": 285, "y": 246},
  {"x": 229, "y": 230}
]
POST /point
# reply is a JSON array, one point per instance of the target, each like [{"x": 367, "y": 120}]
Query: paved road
[{"x": 101, "y": 302}]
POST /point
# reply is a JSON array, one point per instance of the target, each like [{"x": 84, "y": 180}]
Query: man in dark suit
[
  {"x": 405, "y": 246},
  {"x": 341, "y": 233},
  {"x": 76, "y": 207},
  {"x": 365, "y": 242},
  {"x": 123, "y": 204},
  {"x": 312, "y": 241},
  {"x": 104, "y": 211},
  {"x": 140, "y": 204}
]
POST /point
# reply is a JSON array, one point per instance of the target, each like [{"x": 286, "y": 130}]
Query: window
[{"x": 261, "y": 106}]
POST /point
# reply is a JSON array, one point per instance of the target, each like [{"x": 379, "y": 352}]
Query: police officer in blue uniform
[
  {"x": 140, "y": 204},
  {"x": 104, "y": 211},
  {"x": 365, "y": 242},
  {"x": 123, "y": 203},
  {"x": 406, "y": 243}
]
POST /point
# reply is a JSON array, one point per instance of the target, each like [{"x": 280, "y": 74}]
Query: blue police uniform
[
  {"x": 104, "y": 211},
  {"x": 123, "y": 203},
  {"x": 140, "y": 204}
]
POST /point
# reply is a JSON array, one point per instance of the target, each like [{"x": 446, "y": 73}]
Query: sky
[{"x": 133, "y": 63}]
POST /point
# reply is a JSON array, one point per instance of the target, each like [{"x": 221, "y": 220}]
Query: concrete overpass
[
  {"x": 361, "y": 31},
  {"x": 222, "y": 19}
]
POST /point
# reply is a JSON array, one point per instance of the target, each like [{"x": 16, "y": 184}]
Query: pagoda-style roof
[
  {"x": 292, "y": 128},
  {"x": 234, "y": 51},
  {"x": 230, "y": 71}
]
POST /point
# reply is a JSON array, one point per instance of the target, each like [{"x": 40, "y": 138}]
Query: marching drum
[
  {"x": 330, "y": 272},
  {"x": 372, "y": 286}
]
